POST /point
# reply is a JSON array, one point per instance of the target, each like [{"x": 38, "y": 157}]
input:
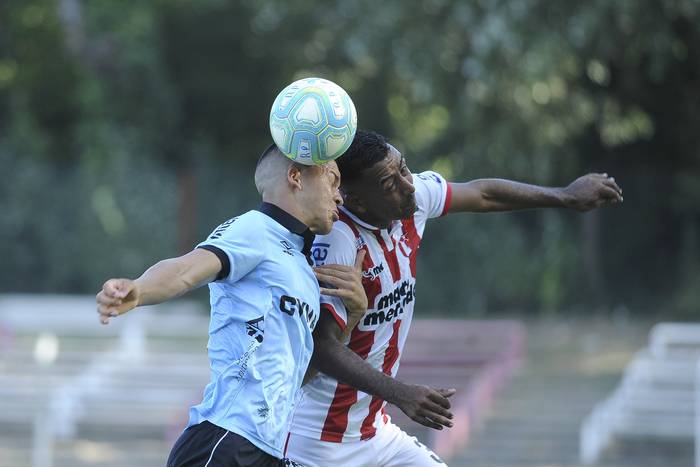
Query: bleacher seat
[{"x": 656, "y": 398}]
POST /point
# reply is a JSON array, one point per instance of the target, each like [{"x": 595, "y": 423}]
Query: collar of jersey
[
  {"x": 290, "y": 223},
  {"x": 362, "y": 223}
]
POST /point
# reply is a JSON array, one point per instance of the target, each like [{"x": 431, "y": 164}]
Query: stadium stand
[
  {"x": 73, "y": 389},
  {"x": 75, "y": 393},
  {"x": 475, "y": 357},
  {"x": 656, "y": 399}
]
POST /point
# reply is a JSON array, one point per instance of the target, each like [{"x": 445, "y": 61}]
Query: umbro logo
[{"x": 287, "y": 247}]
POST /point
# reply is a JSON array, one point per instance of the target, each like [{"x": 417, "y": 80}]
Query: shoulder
[
  {"x": 432, "y": 193},
  {"x": 429, "y": 181},
  {"x": 247, "y": 225},
  {"x": 338, "y": 246}
]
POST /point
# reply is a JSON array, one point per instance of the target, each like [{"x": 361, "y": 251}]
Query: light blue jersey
[{"x": 264, "y": 306}]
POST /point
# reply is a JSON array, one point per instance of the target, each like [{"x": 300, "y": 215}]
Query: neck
[
  {"x": 368, "y": 218},
  {"x": 287, "y": 203}
]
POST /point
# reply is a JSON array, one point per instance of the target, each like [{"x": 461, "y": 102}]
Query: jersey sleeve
[
  {"x": 234, "y": 243},
  {"x": 433, "y": 193},
  {"x": 338, "y": 247}
]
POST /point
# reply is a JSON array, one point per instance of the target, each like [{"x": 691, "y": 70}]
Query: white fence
[
  {"x": 657, "y": 398},
  {"x": 62, "y": 371}
]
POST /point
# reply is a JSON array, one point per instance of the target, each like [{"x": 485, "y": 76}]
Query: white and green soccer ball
[{"x": 313, "y": 121}]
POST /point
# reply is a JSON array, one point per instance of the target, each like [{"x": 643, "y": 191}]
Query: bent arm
[
  {"x": 425, "y": 405},
  {"x": 335, "y": 359}
]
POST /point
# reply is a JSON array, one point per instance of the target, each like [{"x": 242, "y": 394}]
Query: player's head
[
  {"x": 377, "y": 184},
  {"x": 309, "y": 192}
]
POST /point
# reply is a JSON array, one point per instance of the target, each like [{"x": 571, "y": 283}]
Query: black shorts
[{"x": 208, "y": 445}]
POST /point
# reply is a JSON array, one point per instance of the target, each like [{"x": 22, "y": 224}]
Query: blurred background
[{"x": 130, "y": 129}]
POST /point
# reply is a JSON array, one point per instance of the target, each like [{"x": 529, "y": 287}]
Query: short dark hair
[
  {"x": 271, "y": 149},
  {"x": 367, "y": 149}
]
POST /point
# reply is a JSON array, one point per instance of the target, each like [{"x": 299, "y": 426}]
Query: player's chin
[
  {"x": 324, "y": 227},
  {"x": 408, "y": 210}
]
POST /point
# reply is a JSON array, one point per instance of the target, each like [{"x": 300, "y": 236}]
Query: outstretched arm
[
  {"x": 491, "y": 194},
  {"x": 166, "y": 279}
]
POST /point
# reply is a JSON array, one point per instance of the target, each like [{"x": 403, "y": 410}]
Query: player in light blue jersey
[{"x": 264, "y": 305}]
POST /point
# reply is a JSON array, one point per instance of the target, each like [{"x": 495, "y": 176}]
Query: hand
[
  {"x": 116, "y": 298},
  {"x": 427, "y": 406},
  {"x": 592, "y": 191},
  {"x": 347, "y": 281}
]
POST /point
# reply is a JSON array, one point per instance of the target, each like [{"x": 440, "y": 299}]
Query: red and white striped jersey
[{"x": 333, "y": 411}]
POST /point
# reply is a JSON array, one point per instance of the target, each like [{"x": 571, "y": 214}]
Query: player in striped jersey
[{"x": 385, "y": 213}]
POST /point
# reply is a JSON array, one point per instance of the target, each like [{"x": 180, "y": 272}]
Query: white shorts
[{"x": 389, "y": 447}]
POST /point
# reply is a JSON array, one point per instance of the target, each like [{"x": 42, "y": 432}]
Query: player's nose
[{"x": 407, "y": 185}]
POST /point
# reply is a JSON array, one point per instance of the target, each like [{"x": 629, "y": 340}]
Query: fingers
[
  {"x": 106, "y": 312},
  {"x": 610, "y": 194},
  {"x": 104, "y": 299},
  {"x": 439, "y": 396},
  {"x": 439, "y": 420},
  {"x": 432, "y": 414},
  {"x": 341, "y": 272},
  {"x": 335, "y": 281},
  {"x": 341, "y": 293},
  {"x": 117, "y": 288},
  {"x": 110, "y": 300},
  {"x": 359, "y": 259},
  {"x": 437, "y": 413},
  {"x": 426, "y": 422},
  {"x": 610, "y": 183}
]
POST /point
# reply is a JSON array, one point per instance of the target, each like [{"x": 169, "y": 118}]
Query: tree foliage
[{"x": 121, "y": 120}]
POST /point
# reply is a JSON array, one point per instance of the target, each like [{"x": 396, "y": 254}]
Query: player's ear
[{"x": 294, "y": 176}]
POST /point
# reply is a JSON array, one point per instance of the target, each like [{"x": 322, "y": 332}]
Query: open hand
[
  {"x": 116, "y": 298},
  {"x": 592, "y": 191},
  {"x": 428, "y": 406},
  {"x": 347, "y": 283}
]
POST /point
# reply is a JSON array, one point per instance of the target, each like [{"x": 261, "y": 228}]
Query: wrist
[
  {"x": 136, "y": 293},
  {"x": 563, "y": 198},
  {"x": 397, "y": 393}
]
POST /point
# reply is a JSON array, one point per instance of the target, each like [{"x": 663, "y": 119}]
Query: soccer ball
[{"x": 313, "y": 121}]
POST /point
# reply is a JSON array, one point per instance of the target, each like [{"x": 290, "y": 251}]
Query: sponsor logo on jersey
[
  {"x": 245, "y": 358},
  {"x": 219, "y": 231},
  {"x": 430, "y": 176},
  {"x": 405, "y": 246},
  {"x": 255, "y": 328},
  {"x": 264, "y": 411},
  {"x": 391, "y": 305},
  {"x": 319, "y": 253},
  {"x": 372, "y": 273},
  {"x": 292, "y": 306}
]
